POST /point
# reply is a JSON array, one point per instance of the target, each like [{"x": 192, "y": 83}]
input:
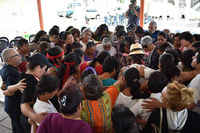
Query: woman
[
  {"x": 55, "y": 56},
  {"x": 90, "y": 52},
  {"x": 132, "y": 93},
  {"x": 175, "y": 116},
  {"x": 69, "y": 69},
  {"x": 68, "y": 120}
]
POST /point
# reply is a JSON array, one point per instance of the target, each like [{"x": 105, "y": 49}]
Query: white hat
[{"x": 136, "y": 49}]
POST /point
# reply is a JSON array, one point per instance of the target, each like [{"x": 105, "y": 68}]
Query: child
[{"x": 47, "y": 89}]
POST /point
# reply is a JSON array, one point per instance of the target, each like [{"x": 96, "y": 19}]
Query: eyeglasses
[{"x": 14, "y": 56}]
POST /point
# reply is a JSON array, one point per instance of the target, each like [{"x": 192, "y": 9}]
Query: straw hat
[{"x": 136, "y": 49}]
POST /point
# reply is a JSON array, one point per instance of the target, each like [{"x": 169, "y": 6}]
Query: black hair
[
  {"x": 123, "y": 120},
  {"x": 175, "y": 53},
  {"x": 69, "y": 28},
  {"x": 137, "y": 58},
  {"x": 90, "y": 44},
  {"x": 47, "y": 84},
  {"x": 132, "y": 77},
  {"x": 168, "y": 66},
  {"x": 196, "y": 37},
  {"x": 163, "y": 47},
  {"x": 76, "y": 45},
  {"x": 44, "y": 39},
  {"x": 21, "y": 42},
  {"x": 163, "y": 34},
  {"x": 119, "y": 28},
  {"x": 121, "y": 33},
  {"x": 70, "y": 99},
  {"x": 99, "y": 32},
  {"x": 110, "y": 64},
  {"x": 93, "y": 88},
  {"x": 53, "y": 31},
  {"x": 39, "y": 35},
  {"x": 44, "y": 46},
  {"x": 177, "y": 35},
  {"x": 66, "y": 34},
  {"x": 123, "y": 43},
  {"x": 186, "y": 36},
  {"x": 198, "y": 58},
  {"x": 35, "y": 61},
  {"x": 187, "y": 59},
  {"x": 83, "y": 28},
  {"x": 75, "y": 31},
  {"x": 100, "y": 58},
  {"x": 62, "y": 36},
  {"x": 157, "y": 82},
  {"x": 56, "y": 27},
  {"x": 54, "y": 52},
  {"x": 139, "y": 30}
]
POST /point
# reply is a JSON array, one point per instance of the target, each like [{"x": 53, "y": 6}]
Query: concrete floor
[{"x": 5, "y": 123}]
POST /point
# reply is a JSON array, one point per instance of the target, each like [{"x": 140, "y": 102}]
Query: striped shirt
[{"x": 97, "y": 113}]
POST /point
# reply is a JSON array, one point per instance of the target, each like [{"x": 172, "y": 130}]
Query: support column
[
  {"x": 40, "y": 14},
  {"x": 141, "y": 13}
]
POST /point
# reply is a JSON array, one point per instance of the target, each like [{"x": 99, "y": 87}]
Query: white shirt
[
  {"x": 195, "y": 83},
  {"x": 176, "y": 120},
  {"x": 147, "y": 71},
  {"x": 41, "y": 106},
  {"x": 125, "y": 100},
  {"x": 138, "y": 110},
  {"x": 112, "y": 51}
]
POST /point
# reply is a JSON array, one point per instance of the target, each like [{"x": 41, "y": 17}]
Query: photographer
[{"x": 133, "y": 13}]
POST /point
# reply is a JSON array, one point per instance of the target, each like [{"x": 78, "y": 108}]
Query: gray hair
[
  {"x": 92, "y": 87},
  {"x": 106, "y": 41},
  {"x": 5, "y": 54},
  {"x": 154, "y": 23},
  {"x": 146, "y": 40}
]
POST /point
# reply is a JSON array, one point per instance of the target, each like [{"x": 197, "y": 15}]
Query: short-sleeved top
[
  {"x": 55, "y": 123},
  {"x": 41, "y": 106},
  {"x": 10, "y": 76},
  {"x": 97, "y": 113},
  {"x": 132, "y": 18},
  {"x": 28, "y": 95}
]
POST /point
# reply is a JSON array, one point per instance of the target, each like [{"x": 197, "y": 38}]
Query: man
[
  {"x": 106, "y": 46},
  {"x": 147, "y": 44},
  {"x": 86, "y": 36},
  {"x": 13, "y": 87},
  {"x": 186, "y": 40},
  {"x": 133, "y": 13},
  {"x": 153, "y": 30}
]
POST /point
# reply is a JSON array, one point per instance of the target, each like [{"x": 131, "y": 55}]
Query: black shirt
[
  {"x": 28, "y": 95},
  {"x": 10, "y": 76}
]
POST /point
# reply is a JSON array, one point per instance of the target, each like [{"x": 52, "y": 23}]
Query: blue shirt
[{"x": 10, "y": 76}]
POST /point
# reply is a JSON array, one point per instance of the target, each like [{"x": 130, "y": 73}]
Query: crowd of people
[{"x": 79, "y": 81}]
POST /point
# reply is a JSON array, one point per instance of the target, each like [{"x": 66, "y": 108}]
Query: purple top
[{"x": 55, "y": 123}]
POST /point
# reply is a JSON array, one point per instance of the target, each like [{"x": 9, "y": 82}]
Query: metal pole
[
  {"x": 40, "y": 14},
  {"x": 141, "y": 13}
]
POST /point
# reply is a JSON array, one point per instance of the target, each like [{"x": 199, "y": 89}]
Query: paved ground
[{"x": 5, "y": 124}]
